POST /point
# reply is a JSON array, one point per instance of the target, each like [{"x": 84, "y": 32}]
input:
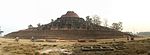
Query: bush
[
  {"x": 148, "y": 53},
  {"x": 37, "y": 53},
  {"x": 44, "y": 54},
  {"x": 141, "y": 51}
]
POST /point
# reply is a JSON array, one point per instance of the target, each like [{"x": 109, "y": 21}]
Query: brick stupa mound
[{"x": 68, "y": 26}]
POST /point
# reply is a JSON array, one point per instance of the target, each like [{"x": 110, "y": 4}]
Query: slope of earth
[{"x": 68, "y": 26}]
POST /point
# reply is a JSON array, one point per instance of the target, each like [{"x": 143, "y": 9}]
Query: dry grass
[{"x": 26, "y": 47}]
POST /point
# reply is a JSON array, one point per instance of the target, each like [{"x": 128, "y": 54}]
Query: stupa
[{"x": 68, "y": 26}]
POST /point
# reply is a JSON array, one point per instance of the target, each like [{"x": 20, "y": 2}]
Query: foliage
[
  {"x": 1, "y": 31},
  {"x": 38, "y": 24},
  {"x": 105, "y": 22},
  {"x": 96, "y": 20},
  {"x": 117, "y": 26},
  {"x": 144, "y": 33},
  {"x": 52, "y": 20},
  {"x": 88, "y": 19},
  {"x": 30, "y": 26}
]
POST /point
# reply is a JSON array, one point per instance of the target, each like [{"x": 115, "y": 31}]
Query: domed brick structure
[
  {"x": 68, "y": 26},
  {"x": 70, "y": 14}
]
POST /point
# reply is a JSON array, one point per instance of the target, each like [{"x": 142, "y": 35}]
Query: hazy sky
[{"x": 18, "y": 14}]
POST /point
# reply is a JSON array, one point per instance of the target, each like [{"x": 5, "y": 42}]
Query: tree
[
  {"x": 52, "y": 20},
  {"x": 1, "y": 31},
  {"x": 88, "y": 19},
  {"x": 30, "y": 26},
  {"x": 88, "y": 22},
  {"x": 38, "y": 24},
  {"x": 117, "y": 26},
  {"x": 105, "y": 22},
  {"x": 96, "y": 20}
]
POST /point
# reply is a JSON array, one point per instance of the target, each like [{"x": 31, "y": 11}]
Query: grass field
[{"x": 26, "y": 47}]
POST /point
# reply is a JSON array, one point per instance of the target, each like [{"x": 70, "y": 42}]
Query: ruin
[{"x": 68, "y": 26}]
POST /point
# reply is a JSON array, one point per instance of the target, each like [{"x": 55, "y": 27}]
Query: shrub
[
  {"x": 44, "y": 54},
  {"x": 37, "y": 53},
  {"x": 141, "y": 51}
]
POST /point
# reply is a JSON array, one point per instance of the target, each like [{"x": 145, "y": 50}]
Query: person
[
  {"x": 17, "y": 39},
  {"x": 32, "y": 39}
]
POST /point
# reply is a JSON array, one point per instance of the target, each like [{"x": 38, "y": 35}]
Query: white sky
[{"x": 18, "y": 14}]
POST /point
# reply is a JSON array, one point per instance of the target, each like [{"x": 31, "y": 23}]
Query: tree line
[{"x": 98, "y": 21}]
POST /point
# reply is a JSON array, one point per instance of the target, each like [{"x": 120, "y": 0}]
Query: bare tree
[
  {"x": 88, "y": 19},
  {"x": 105, "y": 22},
  {"x": 38, "y": 24},
  {"x": 117, "y": 26},
  {"x": 96, "y": 20}
]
